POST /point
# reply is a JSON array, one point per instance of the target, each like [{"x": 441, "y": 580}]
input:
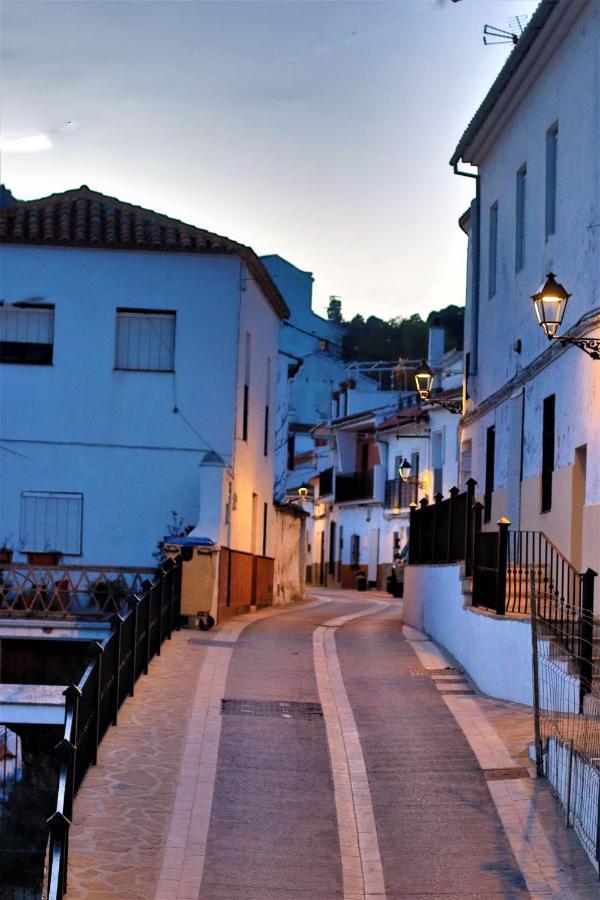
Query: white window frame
[
  {"x": 124, "y": 360},
  {"x": 27, "y": 324},
  {"x": 52, "y": 508}
]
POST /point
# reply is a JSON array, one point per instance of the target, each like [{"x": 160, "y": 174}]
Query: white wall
[
  {"x": 494, "y": 650},
  {"x": 132, "y": 442}
]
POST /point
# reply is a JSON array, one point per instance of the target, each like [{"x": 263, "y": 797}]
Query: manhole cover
[
  {"x": 506, "y": 774},
  {"x": 274, "y": 709}
]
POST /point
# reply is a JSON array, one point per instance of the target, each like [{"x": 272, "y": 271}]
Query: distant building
[
  {"x": 310, "y": 370},
  {"x": 138, "y": 377}
]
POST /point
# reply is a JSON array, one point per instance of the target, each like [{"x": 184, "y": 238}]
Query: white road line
[
  {"x": 185, "y": 852},
  {"x": 359, "y": 847}
]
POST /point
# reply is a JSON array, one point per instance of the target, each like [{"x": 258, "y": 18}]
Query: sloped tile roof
[{"x": 86, "y": 218}]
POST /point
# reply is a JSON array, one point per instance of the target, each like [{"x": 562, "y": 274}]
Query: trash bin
[
  {"x": 199, "y": 555},
  {"x": 361, "y": 581}
]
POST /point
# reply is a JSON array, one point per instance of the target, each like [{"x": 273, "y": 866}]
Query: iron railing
[
  {"x": 64, "y": 591},
  {"x": 92, "y": 705},
  {"x": 357, "y": 486},
  {"x": 400, "y": 494},
  {"x": 441, "y": 532},
  {"x": 566, "y": 683}
]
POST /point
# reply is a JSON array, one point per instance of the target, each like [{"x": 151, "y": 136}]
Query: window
[
  {"x": 547, "y": 451},
  {"x": 520, "y": 219},
  {"x": 437, "y": 460},
  {"x": 414, "y": 473},
  {"x": 355, "y": 549},
  {"x": 246, "y": 389},
  {"x": 466, "y": 456},
  {"x": 291, "y": 452},
  {"x": 490, "y": 451},
  {"x": 267, "y": 401},
  {"x": 551, "y": 154},
  {"x": 26, "y": 334},
  {"x": 145, "y": 340},
  {"x": 493, "y": 250},
  {"x": 51, "y": 521}
]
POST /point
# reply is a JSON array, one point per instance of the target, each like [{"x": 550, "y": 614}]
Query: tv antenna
[{"x": 494, "y": 35}]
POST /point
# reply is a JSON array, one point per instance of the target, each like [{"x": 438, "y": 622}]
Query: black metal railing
[
  {"x": 400, "y": 494},
  {"x": 441, "y": 532},
  {"x": 92, "y": 705},
  {"x": 357, "y": 486},
  {"x": 64, "y": 591}
]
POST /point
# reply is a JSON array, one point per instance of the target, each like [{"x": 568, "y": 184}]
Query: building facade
[
  {"x": 532, "y": 425},
  {"x": 138, "y": 382}
]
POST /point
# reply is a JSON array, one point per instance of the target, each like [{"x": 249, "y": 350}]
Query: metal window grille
[
  {"x": 493, "y": 250},
  {"x": 551, "y": 157},
  {"x": 520, "y": 219},
  {"x": 145, "y": 341},
  {"x": 51, "y": 521}
]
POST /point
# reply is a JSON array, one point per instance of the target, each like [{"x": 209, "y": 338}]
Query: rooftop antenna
[{"x": 501, "y": 36}]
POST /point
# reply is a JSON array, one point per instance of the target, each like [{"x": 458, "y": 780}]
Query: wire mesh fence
[{"x": 566, "y": 672}]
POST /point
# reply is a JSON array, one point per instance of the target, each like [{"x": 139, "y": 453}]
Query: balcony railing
[
  {"x": 357, "y": 486},
  {"x": 400, "y": 494}
]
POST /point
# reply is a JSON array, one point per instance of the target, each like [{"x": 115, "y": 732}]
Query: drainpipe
[{"x": 476, "y": 257}]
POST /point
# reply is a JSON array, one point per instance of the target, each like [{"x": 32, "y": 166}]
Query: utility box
[{"x": 198, "y": 575}]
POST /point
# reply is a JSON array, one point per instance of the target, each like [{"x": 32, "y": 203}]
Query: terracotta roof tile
[{"x": 85, "y": 218}]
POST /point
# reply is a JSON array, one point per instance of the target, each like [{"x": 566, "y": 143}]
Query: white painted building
[
  {"x": 361, "y": 505},
  {"x": 138, "y": 377},
  {"x": 532, "y": 425},
  {"x": 310, "y": 370}
]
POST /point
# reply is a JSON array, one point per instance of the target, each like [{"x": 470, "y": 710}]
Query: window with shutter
[
  {"x": 551, "y": 157},
  {"x": 27, "y": 334},
  {"x": 145, "y": 340},
  {"x": 51, "y": 521}
]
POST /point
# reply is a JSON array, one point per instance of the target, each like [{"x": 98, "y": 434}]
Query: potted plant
[
  {"x": 6, "y": 552},
  {"x": 45, "y": 557}
]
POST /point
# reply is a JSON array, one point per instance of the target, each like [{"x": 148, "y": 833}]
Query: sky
[{"x": 317, "y": 130}]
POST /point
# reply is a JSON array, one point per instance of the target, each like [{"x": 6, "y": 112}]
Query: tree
[{"x": 334, "y": 310}]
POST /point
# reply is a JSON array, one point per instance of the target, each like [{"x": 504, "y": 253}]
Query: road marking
[
  {"x": 183, "y": 860},
  {"x": 359, "y": 848}
]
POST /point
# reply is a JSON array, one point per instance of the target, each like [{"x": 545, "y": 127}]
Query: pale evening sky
[{"x": 317, "y": 130}]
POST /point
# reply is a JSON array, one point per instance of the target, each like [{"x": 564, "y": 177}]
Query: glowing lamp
[
  {"x": 550, "y": 303},
  {"x": 404, "y": 469},
  {"x": 424, "y": 381},
  {"x": 303, "y": 492}
]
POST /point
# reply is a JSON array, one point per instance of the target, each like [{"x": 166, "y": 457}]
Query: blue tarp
[{"x": 189, "y": 541}]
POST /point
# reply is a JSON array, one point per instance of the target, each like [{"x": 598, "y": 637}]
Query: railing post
[
  {"x": 97, "y": 650},
  {"x": 454, "y": 492},
  {"x": 436, "y": 514},
  {"x": 586, "y": 635},
  {"x": 72, "y": 695},
  {"x": 117, "y": 622},
  {"x": 136, "y": 619},
  {"x": 503, "y": 526},
  {"x": 147, "y": 599},
  {"x": 423, "y": 503},
  {"x": 469, "y": 526},
  {"x": 476, "y": 516},
  {"x": 539, "y": 757},
  {"x": 413, "y": 535}
]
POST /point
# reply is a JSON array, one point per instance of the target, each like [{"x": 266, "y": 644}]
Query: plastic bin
[{"x": 199, "y": 571}]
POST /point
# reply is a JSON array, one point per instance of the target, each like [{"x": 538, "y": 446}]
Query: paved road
[{"x": 361, "y": 785}]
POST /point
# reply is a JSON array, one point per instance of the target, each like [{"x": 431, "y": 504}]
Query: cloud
[{"x": 35, "y": 143}]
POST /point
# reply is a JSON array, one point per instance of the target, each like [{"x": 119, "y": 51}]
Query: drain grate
[
  {"x": 273, "y": 709},
  {"x": 506, "y": 774}
]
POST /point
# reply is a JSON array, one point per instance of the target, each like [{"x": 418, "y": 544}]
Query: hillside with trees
[{"x": 375, "y": 338}]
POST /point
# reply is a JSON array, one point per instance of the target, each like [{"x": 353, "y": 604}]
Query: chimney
[{"x": 437, "y": 338}]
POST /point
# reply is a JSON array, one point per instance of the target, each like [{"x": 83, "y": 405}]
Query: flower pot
[
  {"x": 6, "y": 555},
  {"x": 44, "y": 558}
]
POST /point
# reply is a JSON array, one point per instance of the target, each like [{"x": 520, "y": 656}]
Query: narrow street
[{"x": 352, "y": 766}]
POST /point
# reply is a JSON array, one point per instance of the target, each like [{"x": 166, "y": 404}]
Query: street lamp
[
  {"x": 303, "y": 492},
  {"x": 424, "y": 377},
  {"x": 550, "y": 303},
  {"x": 405, "y": 469}
]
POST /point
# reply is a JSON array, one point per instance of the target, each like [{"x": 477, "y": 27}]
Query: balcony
[
  {"x": 399, "y": 494},
  {"x": 354, "y": 486}
]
